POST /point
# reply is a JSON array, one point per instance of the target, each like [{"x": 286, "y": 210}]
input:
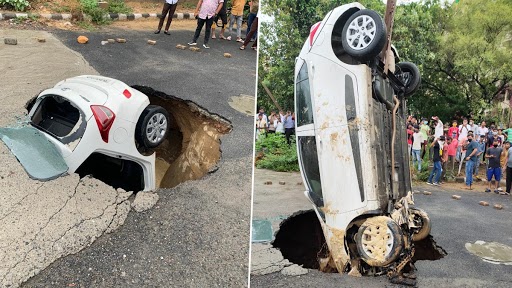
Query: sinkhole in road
[
  {"x": 190, "y": 151},
  {"x": 301, "y": 240}
]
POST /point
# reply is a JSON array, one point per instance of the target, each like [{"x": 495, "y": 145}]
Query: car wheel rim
[
  {"x": 156, "y": 128},
  {"x": 378, "y": 242},
  {"x": 361, "y": 32}
]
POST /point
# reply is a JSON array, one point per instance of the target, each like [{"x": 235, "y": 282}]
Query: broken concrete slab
[
  {"x": 111, "y": 41},
  {"x": 120, "y": 40},
  {"x": 427, "y": 193},
  {"x": 265, "y": 260},
  {"x": 282, "y": 183},
  {"x": 267, "y": 183},
  {"x": 151, "y": 42},
  {"x": 144, "y": 201},
  {"x": 456, "y": 197},
  {"x": 498, "y": 206},
  {"x": 227, "y": 55},
  {"x": 294, "y": 270},
  {"x": 483, "y": 203}
]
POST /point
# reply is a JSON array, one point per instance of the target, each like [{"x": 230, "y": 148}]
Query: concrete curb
[{"x": 111, "y": 16}]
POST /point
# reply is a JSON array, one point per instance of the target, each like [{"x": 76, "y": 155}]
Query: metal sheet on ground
[{"x": 37, "y": 155}]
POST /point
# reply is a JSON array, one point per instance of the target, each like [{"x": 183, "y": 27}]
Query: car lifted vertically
[{"x": 351, "y": 142}]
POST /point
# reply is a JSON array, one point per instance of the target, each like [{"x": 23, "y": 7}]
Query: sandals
[
  {"x": 487, "y": 190},
  {"x": 213, "y": 36},
  {"x": 242, "y": 47},
  {"x": 254, "y": 48},
  {"x": 222, "y": 37}
]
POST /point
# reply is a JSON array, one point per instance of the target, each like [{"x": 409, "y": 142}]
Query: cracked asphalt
[
  {"x": 197, "y": 234},
  {"x": 454, "y": 223}
]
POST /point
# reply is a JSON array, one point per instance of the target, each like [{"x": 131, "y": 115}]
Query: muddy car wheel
[
  {"x": 409, "y": 74},
  {"x": 379, "y": 241},
  {"x": 152, "y": 127},
  {"x": 364, "y": 35},
  {"x": 421, "y": 220}
]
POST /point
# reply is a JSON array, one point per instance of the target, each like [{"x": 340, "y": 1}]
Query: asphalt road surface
[
  {"x": 454, "y": 223},
  {"x": 197, "y": 235}
]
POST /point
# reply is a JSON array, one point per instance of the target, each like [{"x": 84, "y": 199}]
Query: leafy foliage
[
  {"x": 91, "y": 8},
  {"x": 18, "y": 5},
  {"x": 276, "y": 154},
  {"x": 118, "y": 6},
  {"x": 463, "y": 51}
]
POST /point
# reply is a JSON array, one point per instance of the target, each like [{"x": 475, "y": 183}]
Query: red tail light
[
  {"x": 104, "y": 118},
  {"x": 127, "y": 93},
  {"x": 312, "y": 32}
]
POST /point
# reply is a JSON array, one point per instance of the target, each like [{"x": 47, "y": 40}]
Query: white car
[
  {"x": 344, "y": 128},
  {"x": 101, "y": 126}
]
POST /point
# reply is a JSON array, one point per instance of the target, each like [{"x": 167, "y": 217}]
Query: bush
[
  {"x": 91, "y": 8},
  {"x": 276, "y": 154},
  {"x": 18, "y": 5},
  {"x": 118, "y": 6}
]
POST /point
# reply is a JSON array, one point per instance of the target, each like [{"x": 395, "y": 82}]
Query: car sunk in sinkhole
[
  {"x": 351, "y": 142},
  {"x": 100, "y": 126}
]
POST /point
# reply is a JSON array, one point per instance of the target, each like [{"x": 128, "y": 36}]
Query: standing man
[
  {"x": 223, "y": 16},
  {"x": 470, "y": 158},
  {"x": 508, "y": 133},
  {"x": 417, "y": 141},
  {"x": 481, "y": 150},
  {"x": 254, "y": 6},
  {"x": 463, "y": 134},
  {"x": 169, "y": 8},
  {"x": 262, "y": 112},
  {"x": 425, "y": 132},
  {"x": 206, "y": 10},
  {"x": 444, "y": 158},
  {"x": 439, "y": 128},
  {"x": 435, "y": 175},
  {"x": 289, "y": 124},
  {"x": 494, "y": 156},
  {"x": 482, "y": 130},
  {"x": 453, "y": 132},
  {"x": 237, "y": 15}
]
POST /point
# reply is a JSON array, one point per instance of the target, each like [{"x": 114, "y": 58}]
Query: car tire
[
  {"x": 421, "y": 219},
  {"x": 356, "y": 28},
  {"x": 152, "y": 127},
  {"x": 409, "y": 74},
  {"x": 379, "y": 241}
]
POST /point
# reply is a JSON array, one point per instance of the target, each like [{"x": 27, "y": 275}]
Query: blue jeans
[
  {"x": 477, "y": 164},
  {"x": 416, "y": 157},
  {"x": 250, "y": 19},
  {"x": 469, "y": 172},
  {"x": 435, "y": 171}
]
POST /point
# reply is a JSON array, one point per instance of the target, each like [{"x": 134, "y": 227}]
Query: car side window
[
  {"x": 309, "y": 163},
  {"x": 304, "y": 103}
]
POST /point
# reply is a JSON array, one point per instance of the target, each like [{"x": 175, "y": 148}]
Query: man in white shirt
[
  {"x": 463, "y": 130},
  {"x": 482, "y": 130},
  {"x": 417, "y": 140},
  {"x": 439, "y": 130}
]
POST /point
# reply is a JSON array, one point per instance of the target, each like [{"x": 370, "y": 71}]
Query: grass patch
[
  {"x": 118, "y": 6},
  {"x": 275, "y": 154},
  {"x": 86, "y": 25}
]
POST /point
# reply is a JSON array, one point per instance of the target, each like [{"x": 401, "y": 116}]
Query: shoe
[
  {"x": 167, "y": 33},
  {"x": 254, "y": 48},
  {"x": 428, "y": 183},
  {"x": 213, "y": 36},
  {"x": 240, "y": 40},
  {"x": 500, "y": 189},
  {"x": 487, "y": 190},
  {"x": 206, "y": 46},
  {"x": 496, "y": 191},
  {"x": 157, "y": 32},
  {"x": 192, "y": 43},
  {"x": 435, "y": 184},
  {"x": 242, "y": 47},
  {"x": 228, "y": 38},
  {"x": 222, "y": 37}
]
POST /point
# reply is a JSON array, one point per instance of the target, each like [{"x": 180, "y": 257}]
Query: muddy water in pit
[
  {"x": 192, "y": 148},
  {"x": 301, "y": 240}
]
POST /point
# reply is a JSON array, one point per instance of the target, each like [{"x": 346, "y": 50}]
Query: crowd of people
[
  {"x": 283, "y": 123},
  {"x": 466, "y": 144},
  {"x": 214, "y": 13}
]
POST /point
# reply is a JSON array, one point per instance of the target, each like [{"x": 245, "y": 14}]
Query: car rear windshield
[{"x": 59, "y": 118}]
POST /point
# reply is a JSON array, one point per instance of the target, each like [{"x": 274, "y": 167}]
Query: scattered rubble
[
  {"x": 151, "y": 42},
  {"x": 294, "y": 270},
  {"x": 41, "y": 40},
  {"x": 11, "y": 41},
  {"x": 498, "y": 206},
  {"x": 483, "y": 203},
  {"x": 282, "y": 183},
  {"x": 111, "y": 41},
  {"x": 144, "y": 201},
  {"x": 268, "y": 183},
  {"x": 456, "y": 197},
  {"x": 227, "y": 55},
  {"x": 194, "y": 49},
  {"x": 82, "y": 39},
  {"x": 182, "y": 47},
  {"x": 121, "y": 40},
  {"x": 427, "y": 193},
  {"x": 300, "y": 183}
]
